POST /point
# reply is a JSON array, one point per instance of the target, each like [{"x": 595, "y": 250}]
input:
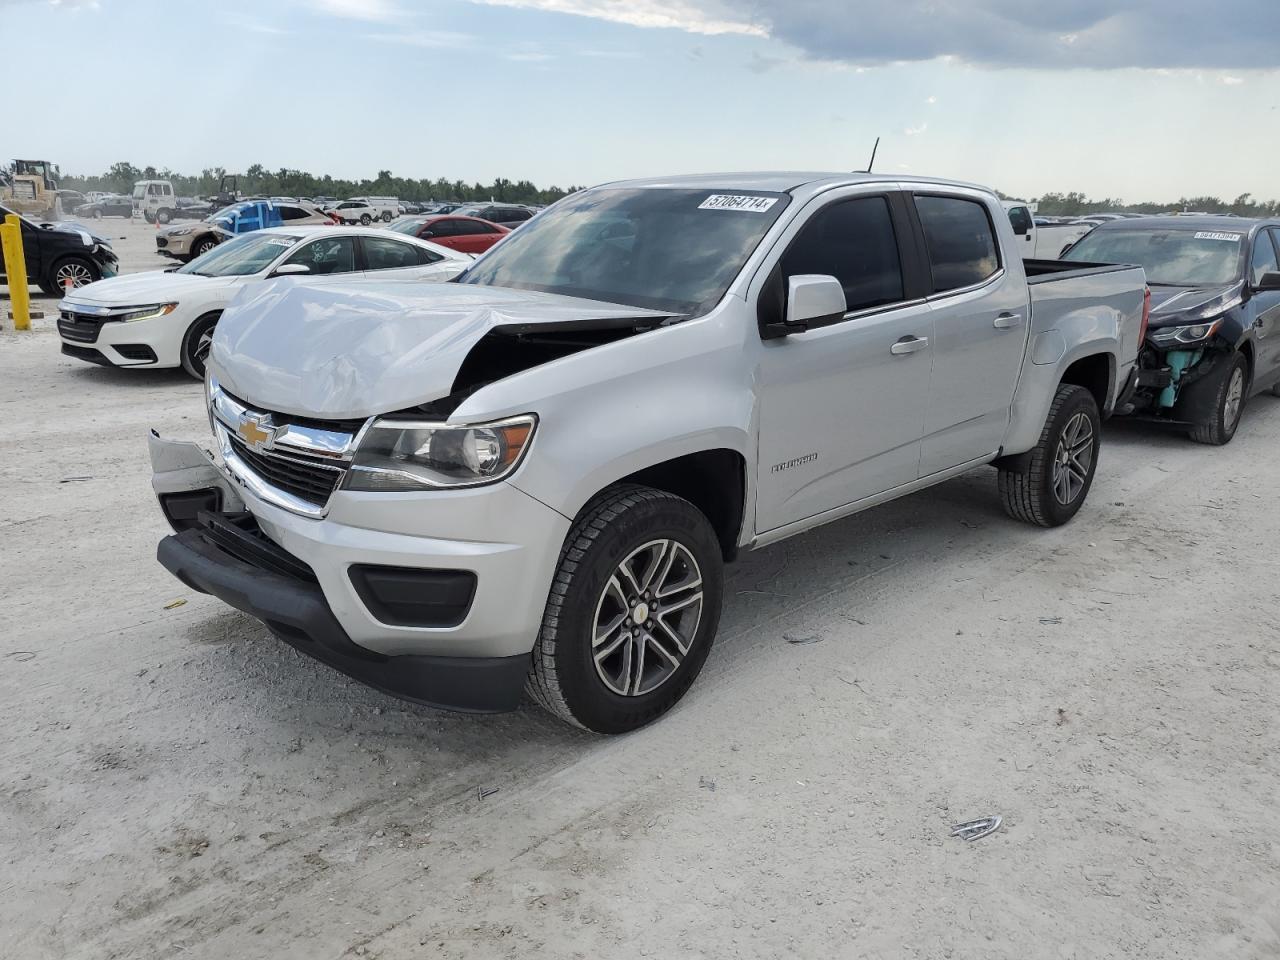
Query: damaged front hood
[
  {"x": 353, "y": 350},
  {"x": 1171, "y": 306}
]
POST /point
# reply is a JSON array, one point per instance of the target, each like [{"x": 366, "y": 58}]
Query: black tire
[
  {"x": 1275, "y": 391},
  {"x": 386, "y": 216},
  {"x": 80, "y": 271},
  {"x": 163, "y": 216},
  {"x": 195, "y": 350},
  {"x": 202, "y": 246},
  {"x": 97, "y": 214},
  {"x": 366, "y": 219},
  {"x": 48, "y": 289},
  {"x": 146, "y": 215},
  {"x": 1208, "y": 405},
  {"x": 617, "y": 525},
  {"x": 1038, "y": 494}
]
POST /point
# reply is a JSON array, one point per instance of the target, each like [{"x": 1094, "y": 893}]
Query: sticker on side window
[
  {"x": 730, "y": 201},
  {"x": 1231, "y": 237}
]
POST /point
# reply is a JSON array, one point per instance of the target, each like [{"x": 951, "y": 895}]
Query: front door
[
  {"x": 981, "y": 316},
  {"x": 842, "y": 406},
  {"x": 1265, "y": 306}
]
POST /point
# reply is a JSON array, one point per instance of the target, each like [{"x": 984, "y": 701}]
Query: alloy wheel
[
  {"x": 1235, "y": 397},
  {"x": 1073, "y": 459},
  {"x": 647, "y": 618},
  {"x": 77, "y": 273}
]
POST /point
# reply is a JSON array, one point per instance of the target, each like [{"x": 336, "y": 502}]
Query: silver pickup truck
[{"x": 531, "y": 478}]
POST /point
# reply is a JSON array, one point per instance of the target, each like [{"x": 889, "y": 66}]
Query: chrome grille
[
  {"x": 78, "y": 326},
  {"x": 301, "y": 477}
]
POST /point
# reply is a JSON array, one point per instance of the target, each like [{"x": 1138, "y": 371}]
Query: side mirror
[
  {"x": 426, "y": 233},
  {"x": 814, "y": 300},
  {"x": 290, "y": 269},
  {"x": 1269, "y": 281}
]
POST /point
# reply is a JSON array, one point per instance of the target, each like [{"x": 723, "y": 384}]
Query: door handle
[
  {"x": 909, "y": 345},
  {"x": 1007, "y": 321}
]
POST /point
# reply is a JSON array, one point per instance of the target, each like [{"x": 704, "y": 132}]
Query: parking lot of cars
[{"x": 1105, "y": 687}]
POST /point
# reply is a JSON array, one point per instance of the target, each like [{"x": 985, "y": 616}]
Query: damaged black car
[{"x": 1213, "y": 340}]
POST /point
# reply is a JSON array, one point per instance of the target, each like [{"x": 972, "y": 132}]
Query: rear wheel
[
  {"x": 386, "y": 216},
  {"x": 146, "y": 215},
  {"x": 1214, "y": 404},
  {"x": 196, "y": 344},
  {"x": 163, "y": 216},
  {"x": 1060, "y": 473},
  {"x": 632, "y": 613}
]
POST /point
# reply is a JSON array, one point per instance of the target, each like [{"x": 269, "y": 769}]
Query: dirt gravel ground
[{"x": 176, "y": 783}]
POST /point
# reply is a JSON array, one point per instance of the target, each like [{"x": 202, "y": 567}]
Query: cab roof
[{"x": 783, "y": 181}]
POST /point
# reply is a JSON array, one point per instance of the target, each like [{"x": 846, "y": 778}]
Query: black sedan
[
  {"x": 60, "y": 253},
  {"x": 106, "y": 207},
  {"x": 1213, "y": 339}
]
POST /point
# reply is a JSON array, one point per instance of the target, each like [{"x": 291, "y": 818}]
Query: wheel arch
[
  {"x": 714, "y": 481},
  {"x": 1096, "y": 373}
]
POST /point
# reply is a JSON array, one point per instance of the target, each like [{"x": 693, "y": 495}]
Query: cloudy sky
[{"x": 1129, "y": 98}]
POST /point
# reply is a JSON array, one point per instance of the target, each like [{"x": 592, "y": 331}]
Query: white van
[{"x": 154, "y": 199}]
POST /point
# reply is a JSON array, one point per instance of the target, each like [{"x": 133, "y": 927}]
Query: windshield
[
  {"x": 410, "y": 227},
  {"x": 660, "y": 249},
  {"x": 250, "y": 253},
  {"x": 1183, "y": 258}
]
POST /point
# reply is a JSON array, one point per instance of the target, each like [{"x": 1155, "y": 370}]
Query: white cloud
[
  {"x": 427, "y": 39},
  {"x": 1232, "y": 81},
  {"x": 374, "y": 11},
  {"x": 931, "y": 100},
  {"x": 914, "y": 131},
  {"x": 692, "y": 16}
]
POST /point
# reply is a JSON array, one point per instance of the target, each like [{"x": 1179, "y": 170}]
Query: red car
[{"x": 466, "y": 234}]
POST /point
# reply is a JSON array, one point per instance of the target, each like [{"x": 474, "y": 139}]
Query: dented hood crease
[{"x": 345, "y": 351}]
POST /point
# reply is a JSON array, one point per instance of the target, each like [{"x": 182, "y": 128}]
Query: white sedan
[{"x": 166, "y": 318}]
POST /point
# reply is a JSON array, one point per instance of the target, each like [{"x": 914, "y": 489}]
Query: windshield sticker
[
  {"x": 729, "y": 201},
  {"x": 282, "y": 241},
  {"x": 1231, "y": 237}
]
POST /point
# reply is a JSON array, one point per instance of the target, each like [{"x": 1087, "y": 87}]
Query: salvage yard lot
[{"x": 178, "y": 783}]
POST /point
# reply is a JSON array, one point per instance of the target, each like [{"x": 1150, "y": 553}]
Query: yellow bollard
[{"x": 15, "y": 269}]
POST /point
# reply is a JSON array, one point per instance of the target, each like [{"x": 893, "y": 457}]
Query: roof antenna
[{"x": 872, "y": 162}]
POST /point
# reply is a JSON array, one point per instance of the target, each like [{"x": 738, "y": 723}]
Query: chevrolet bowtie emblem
[{"x": 254, "y": 433}]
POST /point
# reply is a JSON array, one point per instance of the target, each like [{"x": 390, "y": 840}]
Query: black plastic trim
[
  {"x": 297, "y": 612},
  {"x": 412, "y": 596}
]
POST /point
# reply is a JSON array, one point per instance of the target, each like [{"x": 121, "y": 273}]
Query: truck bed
[{"x": 1046, "y": 271}]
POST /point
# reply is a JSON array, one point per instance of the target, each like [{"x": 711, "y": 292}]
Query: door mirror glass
[
  {"x": 813, "y": 299},
  {"x": 289, "y": 269},
  {"x": 1268, "y": 281}
]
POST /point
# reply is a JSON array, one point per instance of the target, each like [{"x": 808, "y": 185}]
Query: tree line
[
  {"x": 1075, "y": 204},
  {"x": 257, "y": 180}
]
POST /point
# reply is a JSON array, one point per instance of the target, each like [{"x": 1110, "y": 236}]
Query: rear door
[
  {"x": 1266, "y": 308},
  {"x": 981, "y": 314},
  {"x": 841, "y": 406}
]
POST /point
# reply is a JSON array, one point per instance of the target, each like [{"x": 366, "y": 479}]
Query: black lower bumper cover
[{"x": 296, "y": 611}]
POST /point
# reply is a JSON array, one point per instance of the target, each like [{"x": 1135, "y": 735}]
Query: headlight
[
  {"x": 404, "y": 455},
  {"x": 1186, "y": 335},
  {"x": 146, "y": 313},
  {"x": 179, "y": 232}
]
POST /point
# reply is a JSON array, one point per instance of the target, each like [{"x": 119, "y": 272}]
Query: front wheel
[
  {"x": 163, "y": 216},
  {"x": 632, "y": 613},
  {"x": 366, "y": 219},
  {"x": 196, "y": 344},
  {"x": 77, "y": 270},
  {"x": 1214, "y": 403},
  {"x": 1060, "y": 472},
  {"x": 202, "y": 246}
]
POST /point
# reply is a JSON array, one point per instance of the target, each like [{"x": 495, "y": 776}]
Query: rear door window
[
  {"x": 386, "y": 254},
  {"x": 326, "y": 256},
  {"x": 293, "y": 213},
  {"x": 853, "y": 241},
  {"x": 960, "y": 239}
]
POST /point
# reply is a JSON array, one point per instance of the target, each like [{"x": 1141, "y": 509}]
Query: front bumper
[
  {"x": 508, "y": 542},
  {"x": 231, "y": 561},
  {"x": 136, "y": 343}
]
